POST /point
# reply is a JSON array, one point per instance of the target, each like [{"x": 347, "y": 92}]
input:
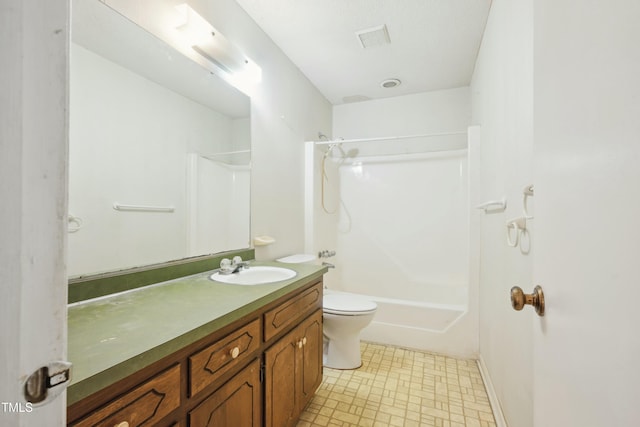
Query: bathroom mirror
[{"x": 159, "y": 150}]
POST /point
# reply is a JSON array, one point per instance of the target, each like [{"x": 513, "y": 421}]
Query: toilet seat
[
  {"x": 347, "y": 305},
  {"x": 297, "y": 259}
]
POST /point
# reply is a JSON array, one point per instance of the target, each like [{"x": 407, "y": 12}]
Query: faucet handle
[
  {"x": 237, "y": 259},
  {"x": 226, "y": 266}
]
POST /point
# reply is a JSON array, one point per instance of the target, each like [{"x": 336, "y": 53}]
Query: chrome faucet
[
  {"x": 228, "y": 266},
  {"x": 326, "y": 254},
  {"x": 328, "y": 264}
]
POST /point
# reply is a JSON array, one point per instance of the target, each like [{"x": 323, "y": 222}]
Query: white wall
[
  {"x": 286, "y": 110},
  {"x": 502, "y": 99},
  {"x": 429, "y": 112}
]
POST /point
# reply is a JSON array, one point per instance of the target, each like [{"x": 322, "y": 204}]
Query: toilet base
[{"x": 343, "y": 353}]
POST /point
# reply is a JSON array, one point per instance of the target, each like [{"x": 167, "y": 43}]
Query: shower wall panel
[
  {"x": 220, "y": 207},
  {"x": 402, "y": 228}
]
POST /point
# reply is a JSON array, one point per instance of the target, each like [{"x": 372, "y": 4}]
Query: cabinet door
[
  {"x": 293, "y": 372},
  {"x": 281, "y": 409},
  {"x": 311, "y": 357},
  {"x": 237, "y": 403}
]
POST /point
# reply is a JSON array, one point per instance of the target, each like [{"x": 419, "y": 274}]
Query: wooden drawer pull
[
  {"x": 304, "y": 341},
  {"x": 235, "y": 352},
  {"x": 300, "y": 344},
  {"x": 122, "y": 424}
]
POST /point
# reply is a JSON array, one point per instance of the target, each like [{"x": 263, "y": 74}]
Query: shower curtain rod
[{"x": 388, "y": 138}]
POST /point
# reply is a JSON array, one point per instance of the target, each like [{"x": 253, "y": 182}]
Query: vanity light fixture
[
  {"x": 194, "y": 27},
  {"x": 209, "y": 43}
]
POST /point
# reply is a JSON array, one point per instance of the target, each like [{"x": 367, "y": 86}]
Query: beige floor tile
[{"x": 401, "y": 387}]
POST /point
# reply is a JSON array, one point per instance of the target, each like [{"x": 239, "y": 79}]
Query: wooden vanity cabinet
[{"x": 259, "y": 371}]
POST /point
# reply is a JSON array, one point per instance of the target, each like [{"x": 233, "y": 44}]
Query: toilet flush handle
[{"x": 519, "y": 299}]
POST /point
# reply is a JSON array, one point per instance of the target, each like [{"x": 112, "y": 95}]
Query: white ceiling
[{"x": 433, "y": 46}]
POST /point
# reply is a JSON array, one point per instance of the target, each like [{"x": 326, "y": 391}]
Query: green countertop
[{"x": 112, "y": 337}]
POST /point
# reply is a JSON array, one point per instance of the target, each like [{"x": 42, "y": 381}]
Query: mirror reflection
[{"x": 159, "y": 150}]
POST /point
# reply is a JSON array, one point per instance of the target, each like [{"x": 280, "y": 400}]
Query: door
[
  {"x": 587, "y": 206},
  {"x": 34, "y": 43}
]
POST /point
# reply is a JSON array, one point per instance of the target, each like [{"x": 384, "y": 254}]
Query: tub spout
[{"x": 328, "y": 264}]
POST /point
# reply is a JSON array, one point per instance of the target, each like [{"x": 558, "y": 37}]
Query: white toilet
[{"x": 344, "y": 316}]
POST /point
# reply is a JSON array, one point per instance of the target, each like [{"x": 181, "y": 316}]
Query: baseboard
[{"x": 491, "y": 393}]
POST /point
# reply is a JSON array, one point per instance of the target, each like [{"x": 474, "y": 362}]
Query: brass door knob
[{"x": 519, "y": 299}]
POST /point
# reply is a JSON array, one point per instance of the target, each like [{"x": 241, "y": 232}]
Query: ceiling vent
[
  {"x": 375, "y": 36},
  {"x": 389, "y": 83}
]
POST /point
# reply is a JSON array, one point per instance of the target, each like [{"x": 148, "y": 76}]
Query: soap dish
[{"x": 263, "y": 240}]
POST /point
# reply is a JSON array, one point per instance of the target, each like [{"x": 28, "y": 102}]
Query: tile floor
[{"x": 401, "y": 387}]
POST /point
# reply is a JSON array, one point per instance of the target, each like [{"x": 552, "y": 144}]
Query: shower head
[
  {"x": 341, "y": 154},
  {"x": 332, "y": 147},
  {"x": 352, "y": 153}
]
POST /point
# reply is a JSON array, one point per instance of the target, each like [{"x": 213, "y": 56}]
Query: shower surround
[{"x": 398, "y": 214}]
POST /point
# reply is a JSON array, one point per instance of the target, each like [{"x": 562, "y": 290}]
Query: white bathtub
[
  {"x": 440, "y": 328},
  {"x": 416, "y": 315}
]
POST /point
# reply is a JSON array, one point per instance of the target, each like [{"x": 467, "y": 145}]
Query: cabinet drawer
[
  {"x": 206, "y": 366},
  {"x": 292, "y": 311},
  {"x": 146, "y": 404}
]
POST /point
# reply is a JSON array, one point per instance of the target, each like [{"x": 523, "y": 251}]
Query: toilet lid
[
  {"x": 297, "y": 258},
  {"x": 347, "y": 304}
]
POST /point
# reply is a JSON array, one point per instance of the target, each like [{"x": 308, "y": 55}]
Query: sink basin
[{"x": 257, "y": 275}]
